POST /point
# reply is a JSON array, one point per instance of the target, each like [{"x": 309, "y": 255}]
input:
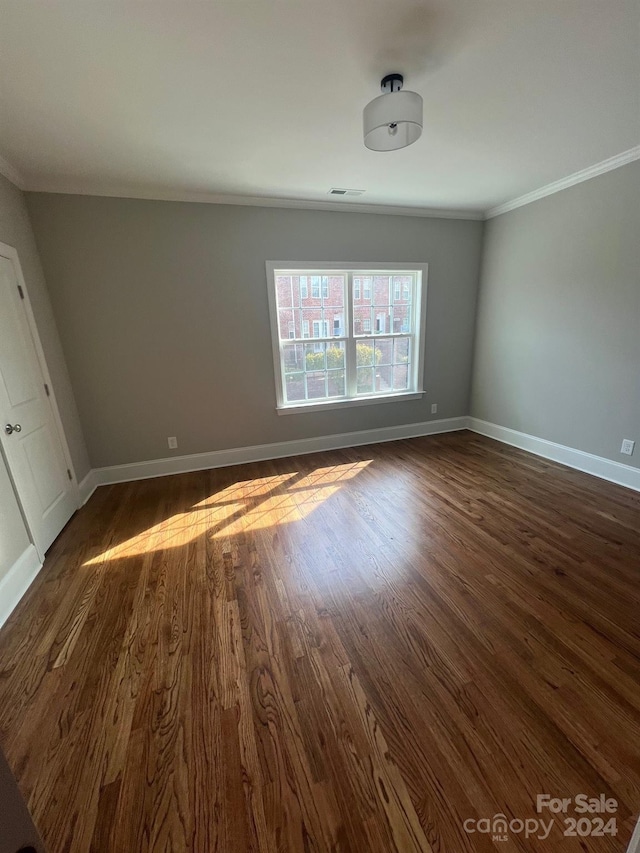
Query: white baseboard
[
  {"x": 261, "y": 452},
  {"x": 17, "y": 581},
  {"x": 606, "y": 469},
  {"x": 634, "y": 844},
  {"x": 615, "y": 472},
  {"x": 87, "y": 487}
]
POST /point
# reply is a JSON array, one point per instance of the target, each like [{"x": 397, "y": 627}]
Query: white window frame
[{"x": 418, "y": 333}]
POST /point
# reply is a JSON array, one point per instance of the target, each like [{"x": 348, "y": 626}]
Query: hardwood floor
[{"x": 357, "y": 650}]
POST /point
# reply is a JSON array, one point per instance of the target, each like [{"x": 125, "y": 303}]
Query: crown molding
[
  {"x": 570, "y": 181},
  {"x": 317, "y": 204},
  {"x": 255, "y": 201},
  {"x": 11, "y": 173}
]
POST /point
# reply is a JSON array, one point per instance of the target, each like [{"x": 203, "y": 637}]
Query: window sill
[{"x": 327, "y": 405}]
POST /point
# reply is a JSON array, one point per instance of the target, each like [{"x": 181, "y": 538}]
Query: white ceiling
[{"x": 265, "y": 97}]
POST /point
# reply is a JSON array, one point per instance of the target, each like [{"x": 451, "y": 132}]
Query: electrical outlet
[
  {"x": 627, "y": 446},
  {"x": 173, "y": 442},
  {"x": 434, "y": 408}
]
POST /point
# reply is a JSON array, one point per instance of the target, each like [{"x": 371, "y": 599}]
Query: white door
[{"x": 28, "y": 431}]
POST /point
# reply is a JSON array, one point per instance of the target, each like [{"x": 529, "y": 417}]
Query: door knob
[{"x": 15, "y": 428}]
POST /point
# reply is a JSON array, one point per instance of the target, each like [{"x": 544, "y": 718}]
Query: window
[
  {"x": 351, "y": 352},
  {"x": 304, "y": 287},
  {"x": 320, "y": 328},
  {"x": 320, "y": 285}
]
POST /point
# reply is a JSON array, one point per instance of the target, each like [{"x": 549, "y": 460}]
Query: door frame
[{"x": 11, "y": 253}]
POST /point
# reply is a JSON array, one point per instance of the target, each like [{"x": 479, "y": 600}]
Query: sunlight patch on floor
[{"x": 239, "y": 508}]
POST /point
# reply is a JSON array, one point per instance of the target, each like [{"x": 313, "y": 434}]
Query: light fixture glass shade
[{"x": 392, "y": 121}]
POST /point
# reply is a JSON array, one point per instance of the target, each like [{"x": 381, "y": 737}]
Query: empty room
[{"x": 319, "y": 426}]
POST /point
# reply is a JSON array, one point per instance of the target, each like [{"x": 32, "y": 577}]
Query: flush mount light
[{"x": 394, "y": 119}]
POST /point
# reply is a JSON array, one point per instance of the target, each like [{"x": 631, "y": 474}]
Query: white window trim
[
  {"x": 420, "y": 309},
  {"x": 323, "y": 406}
]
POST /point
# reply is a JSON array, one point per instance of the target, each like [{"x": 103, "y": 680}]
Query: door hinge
[
  {"x": 20, "y": 291},
  {"x": 69, "y": 474},
  {"x": 46, "y": 389}
]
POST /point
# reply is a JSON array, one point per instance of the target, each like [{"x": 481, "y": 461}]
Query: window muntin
[
  {"x": 362, "y": 328},
  {"x": 314, "y": 371}
]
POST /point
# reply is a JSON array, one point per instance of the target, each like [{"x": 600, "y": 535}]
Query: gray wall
[
  {"x": 15, "y": 230},
  {"x": 558, "y": 332},
  {"x": 162, "y": 309}
]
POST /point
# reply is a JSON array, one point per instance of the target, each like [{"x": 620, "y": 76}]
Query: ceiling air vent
[{"x": 340, "y": 191}]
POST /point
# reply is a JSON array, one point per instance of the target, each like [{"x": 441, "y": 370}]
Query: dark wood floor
[{"x": 357, "y": 650}]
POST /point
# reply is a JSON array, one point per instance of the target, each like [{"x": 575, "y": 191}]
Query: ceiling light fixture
[{"x": 394, "y": 119}]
